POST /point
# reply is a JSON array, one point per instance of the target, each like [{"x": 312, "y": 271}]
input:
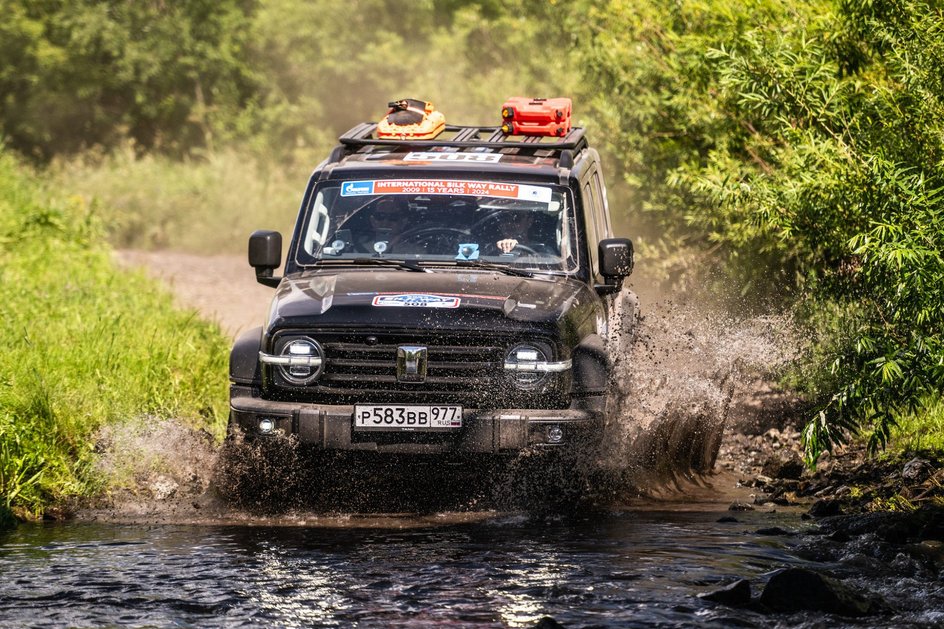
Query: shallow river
[{"x": 627, "y": 568}]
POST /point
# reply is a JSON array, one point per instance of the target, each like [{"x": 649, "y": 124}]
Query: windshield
[{"x": 526, "y": 227}]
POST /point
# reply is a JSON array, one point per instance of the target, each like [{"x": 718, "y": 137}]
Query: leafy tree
[{"x": 85, "y": 73}]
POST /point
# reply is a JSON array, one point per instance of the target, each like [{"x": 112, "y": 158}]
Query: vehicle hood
[{"x": 398, "y": 298}]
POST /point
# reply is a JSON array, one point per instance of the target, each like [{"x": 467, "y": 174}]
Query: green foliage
[
  {"x": 86, "y": 73},
  {"x": 330, "y": 65},
  {"x": 84, "y": 345},
  {"x": 801, "y": 145},
  {"x": 922, "y": 430}
]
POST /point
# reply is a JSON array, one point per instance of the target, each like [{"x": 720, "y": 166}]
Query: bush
[{"x": 801, "y": 146}]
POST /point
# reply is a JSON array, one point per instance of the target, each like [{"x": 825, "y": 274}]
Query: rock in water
[
  {"x": 798, "y": 589},
  {"x": 737, "y": 594}
]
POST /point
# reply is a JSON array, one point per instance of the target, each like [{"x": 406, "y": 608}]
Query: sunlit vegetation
[
  {"x": 85, "y": 345},
  {"x": 801, "y": 146},
  {"x": 782, "y": 155}
]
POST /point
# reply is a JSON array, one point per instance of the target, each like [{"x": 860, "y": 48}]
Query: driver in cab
[
  {"x": 385, "y": 225},
  {"x": 527, "y": 232}
]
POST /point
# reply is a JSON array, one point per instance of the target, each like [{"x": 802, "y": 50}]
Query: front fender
[
  {"x": 244, "y": 367},
  {"x": 591, "y": 367}
]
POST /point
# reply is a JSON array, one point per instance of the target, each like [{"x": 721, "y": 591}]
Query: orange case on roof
[
  {"x": 411, "y": 119},
  {"x": 536, "y": 116}
]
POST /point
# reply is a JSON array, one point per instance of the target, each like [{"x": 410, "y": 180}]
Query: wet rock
[
  {"x": 839, "y": 535},
  {"x": 773, "y": 530},
  {"x": 890, "y": 527},
  {"x": 740, "y": 506},
  {"x": 798, "y": 589},
  {"x": 727, "y": 519},
  {"x": 548, "y": 623},
  {"x": 933, "y": 525},
  {"x": 783, "y": 466},
  {"x": 916, "y": 470},
  {"x": 929, "y": 551},
  {"x": 737, "y": 594},
  {"x": 897, "y": 532},
  {"x": 824, "y": 507}
]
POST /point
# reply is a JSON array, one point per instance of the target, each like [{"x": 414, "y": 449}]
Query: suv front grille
[{"x": 461, "y": 369}]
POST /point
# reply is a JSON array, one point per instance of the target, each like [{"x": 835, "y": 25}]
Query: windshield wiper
[
  {"x": 492, "y": 266},
  {"x": 399, "y": 264}
]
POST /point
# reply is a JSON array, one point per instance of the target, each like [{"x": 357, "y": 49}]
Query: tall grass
[
  {"x": 921, "y": 430},
  {"x": 203, "y": 204},
  {"x": 85, "y": 345}
]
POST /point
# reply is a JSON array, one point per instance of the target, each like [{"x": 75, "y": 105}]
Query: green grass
[
  {"x": 920, "y": 431},
  {"x": 85, "y": 345}
]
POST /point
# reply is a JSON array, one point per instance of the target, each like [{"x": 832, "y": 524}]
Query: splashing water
[{"x": 672, "y": 388}]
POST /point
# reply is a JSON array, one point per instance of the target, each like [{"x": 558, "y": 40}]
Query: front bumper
[{"x": 488, "y": 431}]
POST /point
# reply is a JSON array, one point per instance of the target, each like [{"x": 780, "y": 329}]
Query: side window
[
  {"x": 593, "y": 237},
  {"x": 317, "y": 226},
  {"x": 602, "y": 215}
]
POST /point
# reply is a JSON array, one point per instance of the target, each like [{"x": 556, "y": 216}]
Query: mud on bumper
[{"x": 488, "y": 431}]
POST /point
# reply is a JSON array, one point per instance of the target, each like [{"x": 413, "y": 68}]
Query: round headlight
[
  {"x": 306, "y": 361},
  {"x": 522, "y": 363}
]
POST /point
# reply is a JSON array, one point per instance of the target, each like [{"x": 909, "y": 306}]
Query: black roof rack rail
[{"x": 467, "y": 137}]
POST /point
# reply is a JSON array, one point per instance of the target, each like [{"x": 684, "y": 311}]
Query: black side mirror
[
  {"x": 265, "y": 255},
  {"x": 616, "y": 258}
]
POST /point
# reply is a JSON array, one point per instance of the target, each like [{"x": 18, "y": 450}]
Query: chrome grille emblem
[{"x": 411, "y": 363}]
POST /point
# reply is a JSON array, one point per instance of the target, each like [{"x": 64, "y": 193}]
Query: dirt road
[{"x": 221, "y": 287}]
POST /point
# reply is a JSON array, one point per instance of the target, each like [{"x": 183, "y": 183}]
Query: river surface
[{"x": 616, "y": 569}]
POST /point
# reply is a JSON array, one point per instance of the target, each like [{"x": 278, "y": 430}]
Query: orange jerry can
[{"x": 536, "y": 116}]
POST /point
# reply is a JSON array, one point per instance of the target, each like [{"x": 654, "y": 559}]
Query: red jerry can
[{"x": 536, "y": 116}]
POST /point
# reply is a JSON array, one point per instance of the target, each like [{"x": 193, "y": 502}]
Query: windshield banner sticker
[
  {"x": 416, "y": 301},
  {"x": 444, "y": 186}
]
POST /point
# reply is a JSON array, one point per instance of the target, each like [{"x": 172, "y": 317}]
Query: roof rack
[{"x": 465, "y": 137}]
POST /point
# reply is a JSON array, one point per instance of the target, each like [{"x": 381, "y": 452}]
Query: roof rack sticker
[
  {"x": 491, "y": 158},
  {"x": 538, "y": 194}
]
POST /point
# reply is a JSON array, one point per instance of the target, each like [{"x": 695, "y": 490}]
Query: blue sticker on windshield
[
  {"x": 468, "y": 251},
  {"x": 357, "y": 188}
]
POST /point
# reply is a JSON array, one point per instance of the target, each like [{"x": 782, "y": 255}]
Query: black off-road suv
[{"x": 448, "y": 296}]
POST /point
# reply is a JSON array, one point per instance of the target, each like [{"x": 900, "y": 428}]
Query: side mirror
[
  {"x": 616, "y": 258},
  {"x": 265, "y": 255}
]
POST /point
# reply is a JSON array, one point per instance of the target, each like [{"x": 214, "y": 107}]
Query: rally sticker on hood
[
  {"x": 411, "y": 300},
  {"x": 539, "y": 194}
]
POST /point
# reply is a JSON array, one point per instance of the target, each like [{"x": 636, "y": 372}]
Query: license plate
[{"x": 394, "y": 417}]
